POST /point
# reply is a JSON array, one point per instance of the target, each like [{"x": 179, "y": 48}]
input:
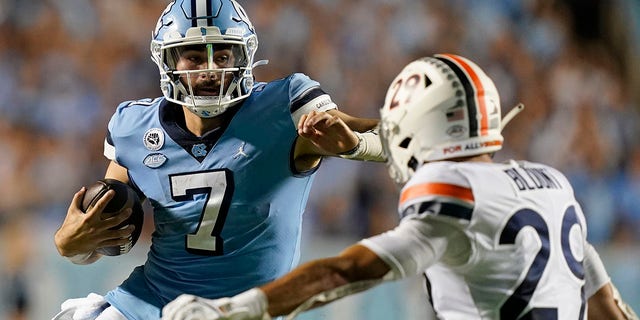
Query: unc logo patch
[
  {"x": 199, "y": 150},
  {"x": 154, "y": 160},
  {"x": 153, "y": 139}
]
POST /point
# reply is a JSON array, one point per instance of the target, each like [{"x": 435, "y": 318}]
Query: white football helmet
[
  {"x": 437, "y": 108},
  {"x": 209, "y": 25}
]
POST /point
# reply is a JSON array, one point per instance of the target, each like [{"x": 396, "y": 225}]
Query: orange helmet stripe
[{"x": 479, "y": 91}]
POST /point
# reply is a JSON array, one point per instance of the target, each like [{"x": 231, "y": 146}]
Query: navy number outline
[
  {"x": 218, "y": 187},
  {"x": 520, "y": 298}
]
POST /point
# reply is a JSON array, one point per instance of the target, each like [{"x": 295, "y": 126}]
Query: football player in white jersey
[
  {"x": 227, "y": 163},
  {"x": 494, "y": 240}
]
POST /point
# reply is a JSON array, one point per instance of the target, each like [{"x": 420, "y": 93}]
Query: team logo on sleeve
[{"x": 153, "y": 139}]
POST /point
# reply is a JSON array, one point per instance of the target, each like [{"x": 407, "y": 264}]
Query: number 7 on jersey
[{"x": 218, "y": 187}]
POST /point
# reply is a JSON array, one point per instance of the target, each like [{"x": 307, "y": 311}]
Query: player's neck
[
  {"x": 482, "y": 158},
  {"x": 200, "y": 126},
  {"x": 485, "y": 157}
]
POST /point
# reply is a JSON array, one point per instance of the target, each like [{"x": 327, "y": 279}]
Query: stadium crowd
[{"x": 65, "y": 65}]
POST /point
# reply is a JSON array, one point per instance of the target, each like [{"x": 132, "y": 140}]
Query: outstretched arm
[
  {"x": 402, "y": 252},
  {"x": 354, "y": 265},
  {"x": 308, "y": 286},
  {"x": 334, "y": 133}
]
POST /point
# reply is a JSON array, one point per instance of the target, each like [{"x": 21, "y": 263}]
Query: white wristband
[{"x": 369, "y": 148}]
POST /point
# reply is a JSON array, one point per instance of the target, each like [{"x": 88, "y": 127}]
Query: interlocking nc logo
[{"x": 199, "y": 150}]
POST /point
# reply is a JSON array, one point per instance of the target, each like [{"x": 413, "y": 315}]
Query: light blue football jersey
[{"x": 227, "y": 206}]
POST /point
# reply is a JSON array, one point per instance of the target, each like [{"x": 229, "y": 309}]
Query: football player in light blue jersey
[{"x": 227, "y": 164}]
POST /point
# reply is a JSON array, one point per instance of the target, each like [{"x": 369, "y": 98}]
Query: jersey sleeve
[
  {"x": 417, "y": 243},
  {"x": 435, "y": 207},
  {"x": 123, "y": 123},
  {"x": 112, "y": 128},
  {"x": 109, "y": 147},
  {"x": 595, "y": 274},
  {"x": 438, "y": 189},
  {"x": 307, "y": 95}
]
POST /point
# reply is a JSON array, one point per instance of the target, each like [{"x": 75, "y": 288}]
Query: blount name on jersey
[{"x": 532, "y": 178}]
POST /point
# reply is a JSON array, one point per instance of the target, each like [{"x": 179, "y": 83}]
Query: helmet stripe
[
  {"x": 209, "y": 13},
  {"x": 468, "y": 90},
  {"x": 200, "y": 9},
  {"x": 474, "y": 92},
  {"x": 194, "y": 13}
]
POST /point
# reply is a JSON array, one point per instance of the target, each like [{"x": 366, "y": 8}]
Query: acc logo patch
[
  {"x": 153, "y": 139},
  {"x": 154, "y": 160}
]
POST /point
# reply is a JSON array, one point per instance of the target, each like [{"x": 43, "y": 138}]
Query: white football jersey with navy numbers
[
  {"x": 227, "y": 206},
  {"x": 494, "y": 240}
]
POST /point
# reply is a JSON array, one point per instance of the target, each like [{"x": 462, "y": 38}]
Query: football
[{"x": 125, "y": 197}]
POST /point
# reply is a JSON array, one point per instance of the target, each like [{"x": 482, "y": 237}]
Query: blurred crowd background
[{"x": 66, "y": 64}]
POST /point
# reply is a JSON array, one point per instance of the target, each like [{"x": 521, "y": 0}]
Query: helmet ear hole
[
  {"x": 405, "y": 143},
  {"x": 413, "y": 163}
]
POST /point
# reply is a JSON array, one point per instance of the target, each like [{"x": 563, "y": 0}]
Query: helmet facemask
[
  {"x": 399, "y": 158},
  {"x": 188, "y": 62}
]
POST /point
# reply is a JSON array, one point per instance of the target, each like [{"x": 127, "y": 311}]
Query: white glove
[
  {"x": 190, "y": 307},
  {"x": 245, "y": 306},
  {"x": 82, "y": 308}
]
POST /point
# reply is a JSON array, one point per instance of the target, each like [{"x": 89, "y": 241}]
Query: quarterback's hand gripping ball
[{"x": 124, "y": 198}]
